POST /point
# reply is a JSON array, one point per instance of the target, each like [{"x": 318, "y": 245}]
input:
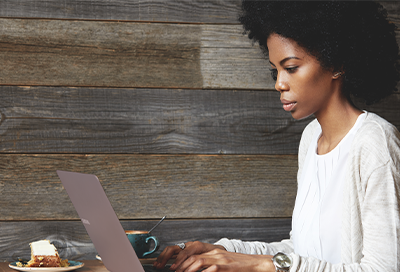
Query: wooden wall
[{"x": 165, "y": 101}]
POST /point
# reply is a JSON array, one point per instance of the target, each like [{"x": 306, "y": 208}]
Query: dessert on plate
[{"x": 44, "y": 254}]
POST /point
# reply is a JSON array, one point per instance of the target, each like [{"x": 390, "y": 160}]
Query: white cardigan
[{"x": 370, "y": 217}]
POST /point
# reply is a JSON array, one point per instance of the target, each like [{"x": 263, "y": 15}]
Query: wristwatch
[{"x": 282, "y": 262}]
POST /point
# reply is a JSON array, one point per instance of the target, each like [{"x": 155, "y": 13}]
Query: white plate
[{"x": 73, "y": 266}]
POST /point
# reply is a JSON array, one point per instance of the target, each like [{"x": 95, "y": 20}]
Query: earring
[{"x": 338, "y": 74}]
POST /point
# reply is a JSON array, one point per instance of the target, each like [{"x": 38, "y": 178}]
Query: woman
[{"x": 346, "y": 216}]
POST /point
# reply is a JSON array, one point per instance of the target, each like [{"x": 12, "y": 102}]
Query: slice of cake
[{"x": 43, "y": 254}]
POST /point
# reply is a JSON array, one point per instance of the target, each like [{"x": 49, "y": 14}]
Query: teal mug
[{"x": 140, "y": 241}]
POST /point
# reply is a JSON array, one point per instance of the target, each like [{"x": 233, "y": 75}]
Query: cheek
[
  {"x": 312, "y": 76},
  {"x": 316, "y": 83},
  {"x": 305, "y": 85}
]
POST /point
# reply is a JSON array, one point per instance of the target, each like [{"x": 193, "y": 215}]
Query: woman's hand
[
  {"x": 175, "y": 252},
  {"x": 221, "y": 260}
]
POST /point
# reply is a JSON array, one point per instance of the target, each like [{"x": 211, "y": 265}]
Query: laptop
[{"x": 101, "y": 223}]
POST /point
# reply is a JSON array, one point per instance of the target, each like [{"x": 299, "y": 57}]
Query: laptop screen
[{"x": 101, "y": 222}]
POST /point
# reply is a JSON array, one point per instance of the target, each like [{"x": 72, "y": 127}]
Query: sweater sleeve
[{"x": 260, "y": 248}]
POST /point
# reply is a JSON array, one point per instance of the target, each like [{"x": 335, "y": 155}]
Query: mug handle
[{"x": 156, "y": 245}]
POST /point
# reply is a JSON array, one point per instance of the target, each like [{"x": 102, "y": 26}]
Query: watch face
[{"x": 283, "y": 260}]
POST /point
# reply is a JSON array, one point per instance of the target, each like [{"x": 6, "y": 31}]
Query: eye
[
  {"x": 274, "y": 74},
  {"x": 291, "y": 70}
]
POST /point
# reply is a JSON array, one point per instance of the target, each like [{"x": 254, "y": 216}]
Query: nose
[{"x": 281, "y": 85}]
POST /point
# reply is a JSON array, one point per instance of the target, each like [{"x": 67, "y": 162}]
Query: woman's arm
[
  {"x": 259, "y": 248},
  {"x": 229, "y": 255}
]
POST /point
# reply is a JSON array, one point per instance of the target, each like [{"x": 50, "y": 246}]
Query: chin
[{"x": 299, "y": 116}]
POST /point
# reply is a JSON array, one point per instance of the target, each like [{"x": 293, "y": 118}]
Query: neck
[{"x": 336, "y": 120}]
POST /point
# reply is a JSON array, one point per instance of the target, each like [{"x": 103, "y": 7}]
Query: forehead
[{"x": 280, "y": 47}]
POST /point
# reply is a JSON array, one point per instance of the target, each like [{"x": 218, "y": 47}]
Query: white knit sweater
[{"x": 370, "y": 217}]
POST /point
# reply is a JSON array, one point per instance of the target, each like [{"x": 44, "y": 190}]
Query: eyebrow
[{"x": 284, "y": 60}]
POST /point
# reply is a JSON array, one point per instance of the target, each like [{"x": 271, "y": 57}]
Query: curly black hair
[{"x": 350, "y": 36}]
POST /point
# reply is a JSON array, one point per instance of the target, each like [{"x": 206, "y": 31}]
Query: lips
[{"x": 288, "y": 105}]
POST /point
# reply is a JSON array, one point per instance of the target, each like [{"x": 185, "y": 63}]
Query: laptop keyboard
[{"x": 150, "y": 268}]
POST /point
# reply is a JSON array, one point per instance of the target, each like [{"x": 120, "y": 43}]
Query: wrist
[
  {"x": 263, "y": 263},
  {"x": 210, "y": 247},
  {"x": 271, "y": 266},
  {"x": 220, "y": 247}
]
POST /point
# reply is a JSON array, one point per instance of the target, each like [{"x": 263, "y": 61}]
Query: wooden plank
[
  {"x": 115, "y": 54},
  {"x": 73, "y": 243},
  {"x": 393, "y": 10},
  {"x": 153, "y": 121},
  {"x": 193, "y": 11},
  {"x": 87, "y": 120},
  {"x": 388, "y": 108},
  {"x": 228, "y": 59},
  {"x": 150, "y": 186},
  {"x": 52, "y": 52}
]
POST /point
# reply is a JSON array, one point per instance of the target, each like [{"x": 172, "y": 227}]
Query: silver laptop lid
[{"x": 101, "y": 222}]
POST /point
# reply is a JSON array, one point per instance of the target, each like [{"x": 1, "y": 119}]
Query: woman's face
[{"x": 306, "y": 88}]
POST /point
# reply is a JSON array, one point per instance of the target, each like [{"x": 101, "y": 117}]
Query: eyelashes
[{"x": 274, "y": 72}]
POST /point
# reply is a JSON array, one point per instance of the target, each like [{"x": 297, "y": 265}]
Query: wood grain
[
  {"x": 150, "y": 186},
  {"x": 228, "y": 59},
  {"x": 115, "y": 54},
  {"x": 190, "y": 11},
  {"x": 89, "y": 120},
  {"x": 71, "y": 53},
  {"x": 153, "y": 121},
  {"x": 73, "y": 243},
  {"x": 193, "y": 11},
  {"x": 128, "y": 54},
  {"x": 393, "y": 10}
]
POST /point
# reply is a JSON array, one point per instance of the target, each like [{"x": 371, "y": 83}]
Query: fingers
[
  {"x": 219, "y": 260},
  {"x": 191, "y": 249},
  {"x": 174, "y": 252},
  {"x": 168, "y": 253},
  {"x": 193, "y": 263},
  {"x": 207, "y": 260},
  {"x": 213, "y": 268}
]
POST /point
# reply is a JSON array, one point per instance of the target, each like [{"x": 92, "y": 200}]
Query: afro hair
[{"x": 350, "y": 36}]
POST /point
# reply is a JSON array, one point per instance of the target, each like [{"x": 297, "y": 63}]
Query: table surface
[{"x": 90, "y": 266}]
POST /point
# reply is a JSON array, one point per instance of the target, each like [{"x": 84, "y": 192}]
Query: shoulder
[
  {"x": 374, "y": 158},
  {"x": 374, "y": 121},
  {"x": 377, "y": 140},
  {"x": 377, "y": 131}
]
